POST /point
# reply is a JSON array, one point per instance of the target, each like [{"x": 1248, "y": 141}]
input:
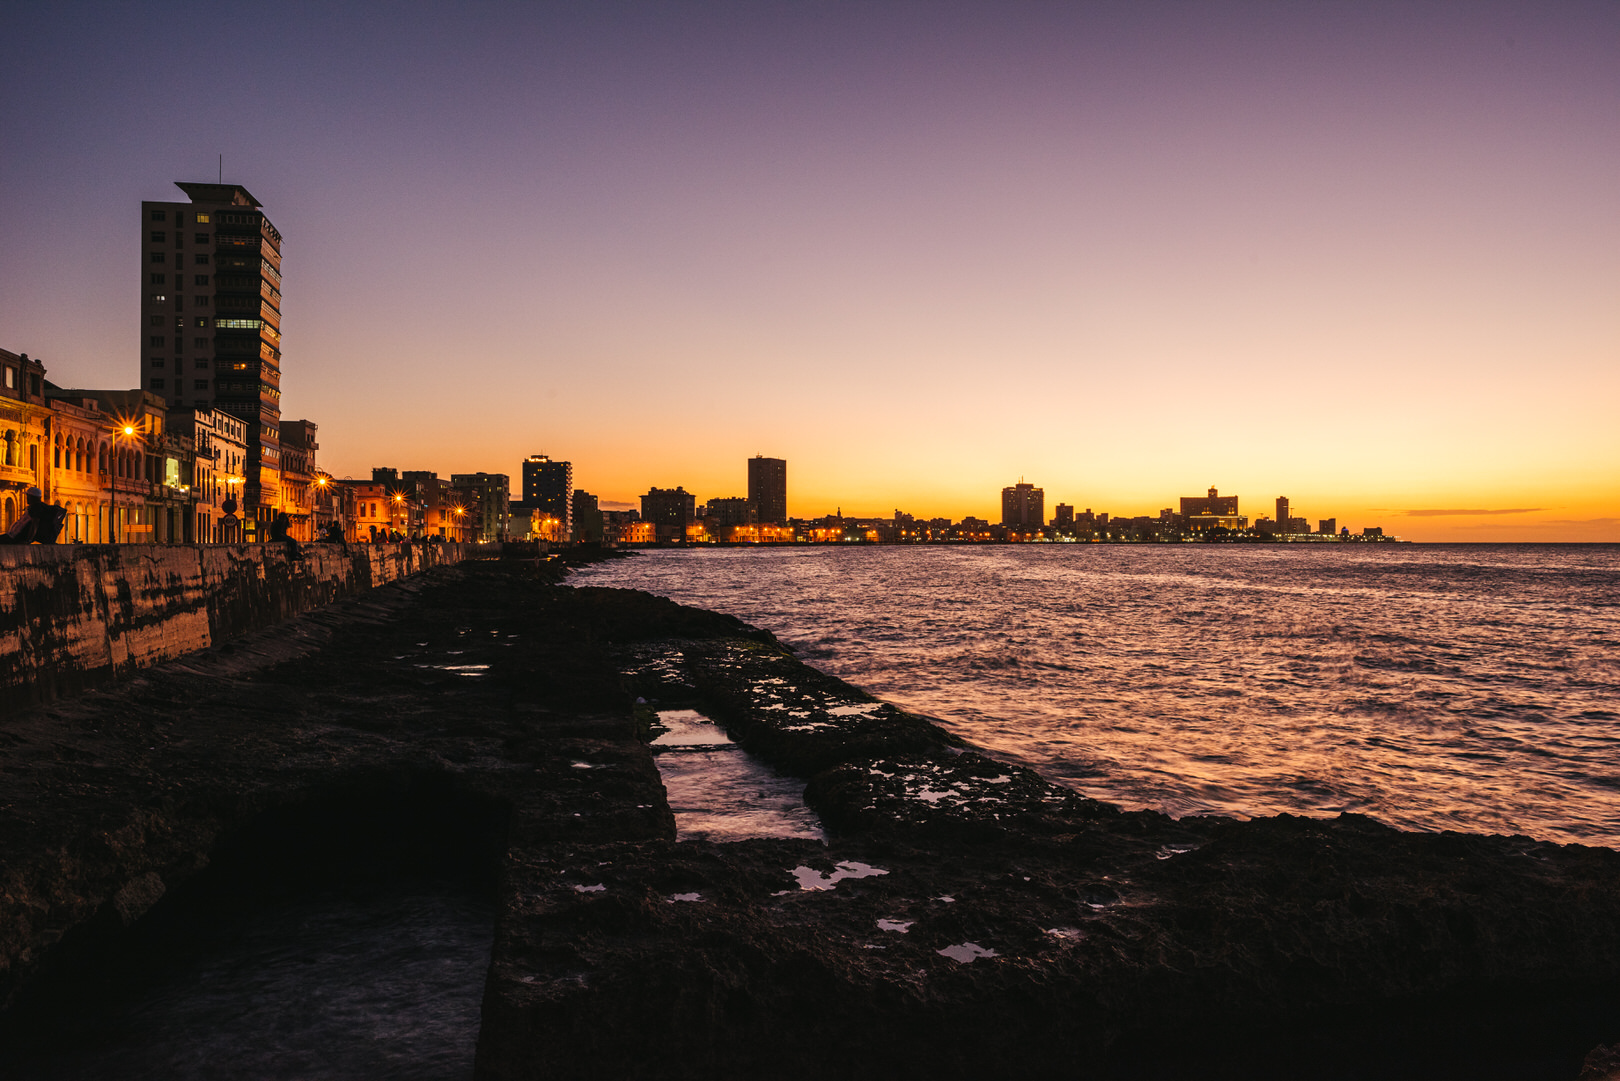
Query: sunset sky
[{"x": 1363, "y": 255}]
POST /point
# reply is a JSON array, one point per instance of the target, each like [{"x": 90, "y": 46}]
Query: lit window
[
  {"x": 158, "y": 298},
  {"x": 202, "y": 320},
  {"x": 202, "y": 219}
]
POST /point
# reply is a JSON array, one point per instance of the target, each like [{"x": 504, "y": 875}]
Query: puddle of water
[
  {"x": 899, "y": 926},
  {"x": 812, "y": 879},
  {"x": 719, "y": 792},
  {"x": 966, "y": 953}
]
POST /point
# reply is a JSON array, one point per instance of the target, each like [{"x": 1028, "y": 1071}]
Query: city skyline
[{"x": 1367, "y": 261}]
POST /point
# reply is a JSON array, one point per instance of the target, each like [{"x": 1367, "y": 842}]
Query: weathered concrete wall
[{"x": 77, "y": 616}]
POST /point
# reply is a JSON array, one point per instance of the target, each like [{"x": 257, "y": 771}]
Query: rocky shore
[{"x": 965, "y": 919}]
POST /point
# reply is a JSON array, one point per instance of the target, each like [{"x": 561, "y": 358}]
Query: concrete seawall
[{"x": 80, "y": 616}]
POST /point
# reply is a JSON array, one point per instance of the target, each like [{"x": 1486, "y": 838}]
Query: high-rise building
[
  {"x": 1282, "y": 514},
  {"x": 1023, "y": 506},
  {"x": 1063, "y": 517},
  {"x": 548, "y": 487},
  {"x": 767, "y": 489},
  {"x": 211, "y": 320}
]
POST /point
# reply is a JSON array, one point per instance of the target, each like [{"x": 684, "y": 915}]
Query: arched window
[
  {"x": 11, "y": 512},
  {"x": 101, "y": 454},
  {"x": 33, "y": 457},
  {"x": 56, "y": 451},
  {"x": 11, "y": 450}
]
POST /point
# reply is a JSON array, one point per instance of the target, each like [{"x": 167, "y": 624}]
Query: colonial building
[
  {"x": 1212, "y": 511},
  {"x": 25, "y": 426}
]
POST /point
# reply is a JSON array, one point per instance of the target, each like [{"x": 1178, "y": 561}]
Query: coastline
[{"x": 1104, "y": 943}]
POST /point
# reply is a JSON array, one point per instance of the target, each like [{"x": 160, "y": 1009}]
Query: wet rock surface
[{"x": 966, "y": 919}]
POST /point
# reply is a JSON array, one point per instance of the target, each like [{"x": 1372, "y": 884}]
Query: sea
[{"x": 1432, "y": 687}]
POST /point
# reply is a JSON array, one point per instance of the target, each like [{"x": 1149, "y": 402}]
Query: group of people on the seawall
[
  {"x": 38, "y": 524},
  {"x": 42, "y": 522}
]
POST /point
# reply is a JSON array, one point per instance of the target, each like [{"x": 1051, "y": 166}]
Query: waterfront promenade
[{"x": 965, "y": 919}]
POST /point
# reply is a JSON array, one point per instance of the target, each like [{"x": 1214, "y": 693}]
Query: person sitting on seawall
[
  {"x": 39, "y": 524},
  {"x": 278, "y": 532},
  {"x": 333, "y": 534}
]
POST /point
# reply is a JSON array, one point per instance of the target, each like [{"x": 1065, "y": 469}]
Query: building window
[
  {"x": 159, "y": 298},
  {"x": 160, "y": 215},
  {"x": 202, "y": 362},
  {"x": 200, "y": 279},
  {"x": 202, "y": 320},
  {"x": 202, "y": 219},
  {"x": 158, "y": 238},
  {"x": 202, "y": 238},
  {"x": 157, "y": 279},
  {"x": 157, "y": 320},
  {"x": 201, "y": 260},
  {"x": 11, "y": 378},
  {"x": 200, "y": 343},
  {"x": 201, "y": 302},
  {"x": 200, "y": 384},
  {"x": 157, "y": 384},
  {"x": 157, "y": 362},
  {"x": 157, "y": 340},
  {"x": 159, "y": 257}
]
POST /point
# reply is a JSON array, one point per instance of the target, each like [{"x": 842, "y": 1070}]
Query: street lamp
[{"x": 125, "y": 430}]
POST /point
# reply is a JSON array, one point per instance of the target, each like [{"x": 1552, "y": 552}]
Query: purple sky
[{"x": 1367, "y": 256}]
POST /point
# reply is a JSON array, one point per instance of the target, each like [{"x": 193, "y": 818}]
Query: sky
[{"x": 1363, "y": 255}]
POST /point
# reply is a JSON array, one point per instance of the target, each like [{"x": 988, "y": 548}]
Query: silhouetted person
[
  {"x": 333, "y": 534},
  {"x": 39, "y": 524},
  {"x": 278, "y": 532}
]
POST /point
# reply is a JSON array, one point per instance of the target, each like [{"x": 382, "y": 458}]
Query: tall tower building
[
  {"x": 211, "y": 321},
  {"x": 548, "y": 487},
  {"x": 767, "y": 489},
  {"x": 1023, "y": 506},
  {"x": 1282, "y": 514}
]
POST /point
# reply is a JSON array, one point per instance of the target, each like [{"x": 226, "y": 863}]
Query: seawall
[{"x": 79, "y": 616}]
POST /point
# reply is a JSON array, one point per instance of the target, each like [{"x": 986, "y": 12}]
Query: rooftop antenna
[{"x": 222, "y": 168}]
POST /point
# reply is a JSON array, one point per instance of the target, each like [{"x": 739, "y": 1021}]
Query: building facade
[
  {"x": 1211, "y": 511},
  {"x": 487, "y": 498}
]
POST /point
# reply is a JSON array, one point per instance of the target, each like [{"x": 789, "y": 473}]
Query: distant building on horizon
[
  {"x": 1063, "y": 517},
  {"x": 767, "y": 489},
  {"x": 669, "y": 511},
  {"x": 1023, "y": 506},
  {"x": 1211, "y": 512}
]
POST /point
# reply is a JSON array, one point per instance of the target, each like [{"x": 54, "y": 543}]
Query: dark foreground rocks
[{"x": 966, "y": 919}]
